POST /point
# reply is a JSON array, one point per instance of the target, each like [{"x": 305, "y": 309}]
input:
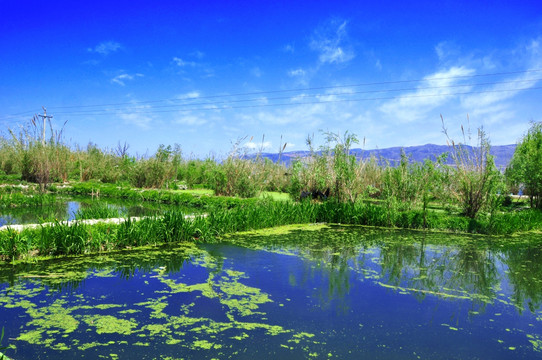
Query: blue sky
[{"x": 204, "y": 74}]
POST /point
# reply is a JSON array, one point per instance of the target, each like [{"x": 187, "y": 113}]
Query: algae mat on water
[
  {"x": 202, "y": 311},
  {"x": 293, "y": 292}
]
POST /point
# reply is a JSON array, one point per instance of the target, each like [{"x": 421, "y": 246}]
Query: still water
[
  {"x": 329, "y": 292},
  {"x": 67, "y": 209}
]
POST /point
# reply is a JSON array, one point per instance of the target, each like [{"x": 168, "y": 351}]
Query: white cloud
[
  {"x": 190, "y": 120},
  {"x": 256, "y": 72},
  {"x": 431, "y": 93},
  {"x": 299, "y": 98},
  {"x": 332, "y": 42},
  {"x": 106, "y": 47},
  {"x": 197, "y": 54},
  {"x": 446, "y": 50},
  {"x": 257, "y": 146},
  {"x": 182, "y": 63},
  {"x": 495, "y": 105},
  {"x": 139, "y": 120},
  {"x": 189, "y": 95},
  {"x": 289, "y": 48},
  {"x": 290, "y": 145},
  {"x": 137, "y": 115},
  {"x": 297, "y": 72},
  {"x": 121, "y": 79}
]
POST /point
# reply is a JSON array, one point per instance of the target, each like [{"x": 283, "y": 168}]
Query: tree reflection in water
[
  {"x": 444, "y": 265},
  {"x": 422, "y": 263}
]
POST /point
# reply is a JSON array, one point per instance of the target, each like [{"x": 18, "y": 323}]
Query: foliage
[
  {"x": 2, "y": 356},
  {"x": 40, "y": 160},
  {"x": 78, "y": 238},
  {"x": 475, "y": 182},
  {"x": 525, "y": 169},
  {"x": 334, "y": 172},
  {"x": 97, "y": 211}
]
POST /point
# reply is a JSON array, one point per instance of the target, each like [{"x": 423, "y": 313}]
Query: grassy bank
[{"x": 80, "y": 238}]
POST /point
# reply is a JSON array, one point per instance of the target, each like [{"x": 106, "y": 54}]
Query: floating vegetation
[{"x": 325, "y": 292}]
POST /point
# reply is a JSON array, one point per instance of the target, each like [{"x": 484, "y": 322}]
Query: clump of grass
[
  {"x": 98, "y": 211},
  {"x": 19, "y": 199}
]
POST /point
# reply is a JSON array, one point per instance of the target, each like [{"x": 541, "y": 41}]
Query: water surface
[
  {"x": 333, "y": 292},
  {"x": 66, "y": 208}
]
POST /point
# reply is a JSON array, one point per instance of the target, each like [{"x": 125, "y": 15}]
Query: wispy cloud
[
  {"x": 332, "y": 43},
  {"x": 446, "y": 50},
  {"x": 140, "y": 120},
  {"x": 512, "y": 86},
  {"x": 432, "y": 92},
  {"x": 264, "y": 145},
  {"x": 200, "y": 69},
  {"x": 105, "y": 48},
  {"x": 297, "y": 72},
  {"x": 197, "y": 54},
  {"x": 190, "y": 120},
  {"x": 189, "y": 95},
  {"x": 289, "y": 48},
  {"x": 182, "y": 63},
  {"x": 122, "y": 78},
  {"x": 256, "y": 71},
  {"x": 137, "y": 115}
]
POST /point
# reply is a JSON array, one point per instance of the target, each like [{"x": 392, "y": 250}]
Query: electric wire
[
  {"x": 306, "y": 103},
  {"x": 179, "y": 104},
  {"x": 303, "y": 96}
]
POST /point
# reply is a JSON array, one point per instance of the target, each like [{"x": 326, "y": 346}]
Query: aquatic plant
[
  {"x": 98, "y": 211},
  {"x": 474, "y": 182},
  {"x": 2, "y": 348}
]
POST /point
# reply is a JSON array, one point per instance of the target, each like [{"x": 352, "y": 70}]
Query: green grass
[
  {"x": 195, "y": 191},
  {"x": 79, "y": 238},
  {"x": 98, "y": 211},
  {"x": 277, "y": 196}
]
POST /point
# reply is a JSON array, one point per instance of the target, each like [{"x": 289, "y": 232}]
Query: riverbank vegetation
[
  {"x": 460, "y": 191},
  {"x": 172, "y": 226}
]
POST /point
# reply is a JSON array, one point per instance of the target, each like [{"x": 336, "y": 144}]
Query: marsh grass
[
  {"x": 348, "y": 190},
  {"x": 19, "y": 199},
  {"x": 474, "y": 181},
  {"x": 174, "y": 226},
  {"x": 99, "y": 211}
]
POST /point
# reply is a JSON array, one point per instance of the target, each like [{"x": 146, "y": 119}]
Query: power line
[
  {"x": 190, "y": 101},
  {"x": 307, "y": 103},
  {"x": 308, "y": 89},
  {"x": 304, "y": 96}
]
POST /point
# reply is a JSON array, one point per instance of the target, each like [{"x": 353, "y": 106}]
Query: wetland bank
[
  {"x": 313, "y": 291},
  {"x": 408, "y": 273}
]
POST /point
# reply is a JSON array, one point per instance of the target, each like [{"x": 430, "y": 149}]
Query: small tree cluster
[{"x": 525, "y": 169}]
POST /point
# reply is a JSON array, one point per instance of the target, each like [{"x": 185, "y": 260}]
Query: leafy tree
[{"x": 525, "y": 169}]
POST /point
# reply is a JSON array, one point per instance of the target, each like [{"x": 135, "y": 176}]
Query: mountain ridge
[{"x": 502, "y": 153}]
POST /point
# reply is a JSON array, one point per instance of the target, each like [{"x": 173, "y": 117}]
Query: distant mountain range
[{"x": 502, "y": 153}]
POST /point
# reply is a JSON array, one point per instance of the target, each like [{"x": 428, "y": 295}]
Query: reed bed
[
  {"x": 98, "y": 211},
  {"x": 174, "y": 226}
]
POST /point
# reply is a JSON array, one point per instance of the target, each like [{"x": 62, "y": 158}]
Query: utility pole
[{"x": 45, "y": 117}]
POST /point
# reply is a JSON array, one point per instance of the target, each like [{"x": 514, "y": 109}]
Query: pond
[
  {"x": 326, "y": 292},
  {"x": 65, "y": 208}
]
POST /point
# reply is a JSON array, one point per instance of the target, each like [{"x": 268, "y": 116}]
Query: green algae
[
  {"x": 168, "y": 320},
  {"x": 91, "y": 345},
  {"x": 204, "y": 344},
  {"x": 282, "y": 230},
  {"x": 107, "y": 324}
]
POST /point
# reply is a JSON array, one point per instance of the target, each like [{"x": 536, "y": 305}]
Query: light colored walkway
[{"x": 20, "y": 228}]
